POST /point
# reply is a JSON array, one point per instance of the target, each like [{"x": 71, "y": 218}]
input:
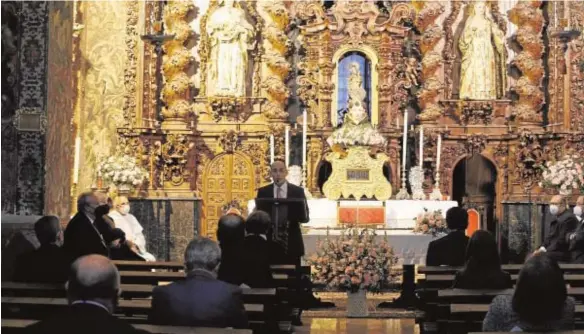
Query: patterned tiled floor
[{"x": 360, "y": 326}]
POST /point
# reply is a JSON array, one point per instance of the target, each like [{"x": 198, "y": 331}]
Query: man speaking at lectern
[{"x": 285, "y": 234}]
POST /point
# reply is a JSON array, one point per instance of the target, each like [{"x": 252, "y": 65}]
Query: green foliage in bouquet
[{"x": 353, "y": 261}]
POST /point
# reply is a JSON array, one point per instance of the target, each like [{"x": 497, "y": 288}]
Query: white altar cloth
[{"x": 399, "y": 214}]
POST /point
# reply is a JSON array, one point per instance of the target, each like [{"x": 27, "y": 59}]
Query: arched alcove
[{"x": 474, "y": 186}]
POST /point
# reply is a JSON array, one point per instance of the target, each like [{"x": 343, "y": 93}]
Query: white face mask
[
  {"x": 578, "y": 210},
  {"x": 125, "y": 209},
  {"x": 554, "y": 209}
]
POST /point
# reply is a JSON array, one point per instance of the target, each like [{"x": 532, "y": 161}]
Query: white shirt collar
[
  {"x": 90, "y": 303},
  {"x": 263, "y": 236}
]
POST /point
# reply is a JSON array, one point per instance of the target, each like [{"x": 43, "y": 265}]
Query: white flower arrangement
[
  {"x": 564, "y": 175},
  {"x": 121, "y": 170}
]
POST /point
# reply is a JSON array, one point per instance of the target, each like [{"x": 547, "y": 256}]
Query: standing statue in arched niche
[
  {"x": 482, "y": 46},
  {"x": 231, "y": 36}
]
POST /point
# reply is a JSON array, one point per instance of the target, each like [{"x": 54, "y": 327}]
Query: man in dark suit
[
  {"x": 92, "y": 291},
  {"x": 288, "y": 241},
  {"x": 201, "y": 299},
  {"x": 48, "y": 263},
  {"x": 576, "y": 238},
  {"x": 556, "y": 242},
  {"x": 81, "y": 235},
  {"x": 256, "y": 253},
  {"x": 450, "y": 249}
]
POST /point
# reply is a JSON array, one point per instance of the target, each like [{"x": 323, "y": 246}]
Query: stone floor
[
  {"x": 340, "y": 309},
  {"x": 361, "y": 326}
]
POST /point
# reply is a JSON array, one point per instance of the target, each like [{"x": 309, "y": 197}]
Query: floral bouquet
[
  {"x": 565, "y": 175},
  {"x": 121, "y": 171},
  {"x": 354, "y": 261},
  {"x": 430, "y": 222}
]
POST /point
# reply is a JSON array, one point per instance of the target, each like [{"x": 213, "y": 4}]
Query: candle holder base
[
  {"x": 436, "y": 195},
  {"x": 402, "y": 194},
  {"x": 419, "y": 195}
]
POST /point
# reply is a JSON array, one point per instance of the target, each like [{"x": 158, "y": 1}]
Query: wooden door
[{"x": 228, "y": 177}]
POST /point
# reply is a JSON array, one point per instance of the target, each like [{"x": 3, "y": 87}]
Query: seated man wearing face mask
[
  {"x": 126, "y": 221},
  {"x": 556, "y": 240},
  {"x": 576, "y": 238}
]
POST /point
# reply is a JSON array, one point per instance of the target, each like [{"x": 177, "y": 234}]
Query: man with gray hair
[
  {"x": 93, "y": 290},
  {"x": 201, "y": 299},
  {"x": 81, "y": 236},
  {"x": 556, "y": 242}
]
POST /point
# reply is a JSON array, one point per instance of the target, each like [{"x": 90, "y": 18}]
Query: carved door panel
[{"x": 227, "y": 177}]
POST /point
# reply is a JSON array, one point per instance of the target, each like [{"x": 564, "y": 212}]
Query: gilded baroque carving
[
  {"x": 310, "y": 11},
  {"x": 529, "y": 19},
  {"x": 259, "y": 155},
  {"x": 228, "y": 108},
  {"x": 130, "y": 70},
  {"x": 577, "y": 69},
  {"x": 451, "y": 154},
  {"x": 229, "y": 141},
  {"x": 529, "y": 157},
  {"x": 431, "y": 35},
  {"x": 171, "y": 159},
  {"x": 475, "y": 143},
  {"x": 357, "y": 160},
  {"x": 476, "y": 112},
  {"x": 355, "y": 18},
  {"x": 176, "y": 61},
  {"x": 447, "y": 53},
  {"x": 501, "y": 154}
]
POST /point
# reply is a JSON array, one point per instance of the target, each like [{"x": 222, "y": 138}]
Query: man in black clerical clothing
[
  {"x": 450, "y": 249},
  {"x": 81, "y": 236},
  {"x": 556, "y": 241},
  {"x": 93, "y": 290},
  {"x": 286, "y": 240},
  {"x": 576, "y": 238},
  {"x": 201, "y": 299},
  {"x": 48, "y": 263}
]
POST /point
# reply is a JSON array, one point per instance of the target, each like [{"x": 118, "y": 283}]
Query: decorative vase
[
  {"x": 124, "y": 189},
  {"x": 357, "y": 304}
]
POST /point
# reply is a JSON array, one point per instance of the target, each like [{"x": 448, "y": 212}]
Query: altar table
[{"x": 399, "y": 214}]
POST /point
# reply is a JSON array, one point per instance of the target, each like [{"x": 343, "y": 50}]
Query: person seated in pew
[
  {"x": 128, "y": 223},
  {"x": 576, "y": 238},
  {"x": 540, "y": 302},
  {"x": 230, "y": 235},
  {"x": 450, "y": 249},
  {"x": 114, "y": 238},
  {"x": 201, "y": 299},
  {"x": 93, "y": 290},
  {"x": 482, "y": 269},
  {"x": 48, "y": 263},
  {"x": 564, "y": 223},
  {"x": 256, "y": 255}
]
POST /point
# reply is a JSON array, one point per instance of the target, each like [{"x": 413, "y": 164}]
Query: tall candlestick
[
  {"x": 405, "y": 139},
  {"x": 76, "y": 160},
  {"x": 271, "y": 149},
  {"x": 287, "y": 145},
  {"x": 304, "y": 136},
  {"x": 421, "y": 145},
  {"x": 438, "y": 153}
]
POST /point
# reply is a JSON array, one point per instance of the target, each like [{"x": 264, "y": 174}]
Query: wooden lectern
[{"x": 283, "y": 211}]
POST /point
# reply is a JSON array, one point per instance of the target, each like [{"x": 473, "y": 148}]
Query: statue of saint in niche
[
  {"x": 482, "y": 45},
  {"x": 230, "y": 38},
  {"x": 356, "y": 128}
]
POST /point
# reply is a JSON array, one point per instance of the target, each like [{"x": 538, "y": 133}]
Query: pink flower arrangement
[
  {"x": 430, "y": 222},
  {"x": 353, "y": 261}
]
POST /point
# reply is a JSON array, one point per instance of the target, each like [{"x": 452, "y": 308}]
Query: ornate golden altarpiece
[{"x": 217, "y": 148}]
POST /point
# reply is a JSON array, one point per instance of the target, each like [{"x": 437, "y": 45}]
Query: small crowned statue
[
  {"x": 482, "y": 46},
  {"x": 356, "y": 128},
  {"x": 230, "y": 38}
]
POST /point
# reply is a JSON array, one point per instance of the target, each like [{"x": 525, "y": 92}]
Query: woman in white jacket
[{"x": 128, "y": 223}]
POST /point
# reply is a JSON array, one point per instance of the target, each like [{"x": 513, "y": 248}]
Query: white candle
[
  {"x": 405, "y": 140},
  {"x": 438, "y": 153},
  {"x": 287, "y": 147},
  {"x": 271, "y": 149},
  {"x": 76, "y": 160},
  {"x": 304, "y": 136},
  {"x": 421, "y": 145}
]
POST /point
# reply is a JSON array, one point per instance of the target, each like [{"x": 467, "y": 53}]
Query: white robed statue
[
  {"x": 128, "y": 223},
  {"x": 230, "y": 38}
]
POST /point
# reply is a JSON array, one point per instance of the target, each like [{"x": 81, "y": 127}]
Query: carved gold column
[
  {"x": 175, "y": 64},
  {"x": 529, "y": 19},
  {"x": 431, "y": 35}
]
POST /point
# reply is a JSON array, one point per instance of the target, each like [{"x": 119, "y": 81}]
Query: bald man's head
[{"x": 93, "y": 277}]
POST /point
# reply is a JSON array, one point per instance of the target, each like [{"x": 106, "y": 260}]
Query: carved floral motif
[
  {"x": 172, "y": 157},
  {"x": 577, "y": 69}
]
